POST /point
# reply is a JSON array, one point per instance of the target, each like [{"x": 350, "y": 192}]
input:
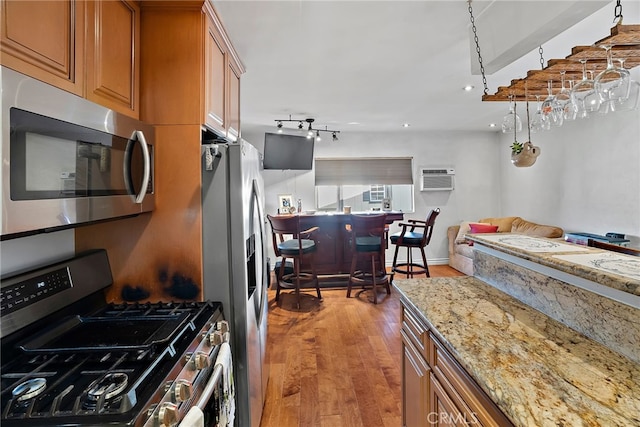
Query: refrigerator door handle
[{"x": 261, "y": 291}]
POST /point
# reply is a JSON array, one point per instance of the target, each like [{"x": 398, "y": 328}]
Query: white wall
[
  {"x": 475, "y": 157},
  {"x": 587, "y": 177}
]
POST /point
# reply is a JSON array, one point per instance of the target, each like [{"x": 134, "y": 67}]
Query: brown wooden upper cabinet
[
  {"x": 45, "y": 40},
  {"x": 113, "y": 63},
  {"x": 195, "y": 78},
  {"x": 85, "y": 47}
]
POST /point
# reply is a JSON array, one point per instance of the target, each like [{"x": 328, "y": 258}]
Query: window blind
[{"x": 364, "y": 171}]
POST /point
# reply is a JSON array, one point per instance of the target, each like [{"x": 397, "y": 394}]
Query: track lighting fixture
[{"x": 310, "y": 129}]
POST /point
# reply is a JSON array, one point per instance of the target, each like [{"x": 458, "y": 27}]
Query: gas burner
[
  {"x": 108, "y": 386},
  {"x": 29, "y": 389}
]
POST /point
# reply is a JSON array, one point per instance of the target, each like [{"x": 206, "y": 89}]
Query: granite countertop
[
  {"x": 611, "y": 269},
  {"x": 538, "y": 371}
]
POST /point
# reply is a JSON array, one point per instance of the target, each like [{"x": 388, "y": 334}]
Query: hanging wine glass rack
[{"x": 625, "y": 40}]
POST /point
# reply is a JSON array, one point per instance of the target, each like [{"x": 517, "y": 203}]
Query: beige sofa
[{"x": 461, "y": 253}]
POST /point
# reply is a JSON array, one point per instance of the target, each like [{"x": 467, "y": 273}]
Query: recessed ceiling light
[
  {"x": 492, "y": 125},
  {"x": 468, "y": 88},
  {"x": 353, "y": 123},
  {"x": 405, "y": 125}
]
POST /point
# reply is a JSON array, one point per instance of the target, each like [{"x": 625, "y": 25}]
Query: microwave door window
[
  {"x": 52, "y": 159},
  {"x": 97, "y": 169},
  {"x": 51, "y": 165}
]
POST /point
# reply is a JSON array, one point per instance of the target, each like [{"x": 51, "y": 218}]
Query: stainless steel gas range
[{"x": 69, "y": 358}]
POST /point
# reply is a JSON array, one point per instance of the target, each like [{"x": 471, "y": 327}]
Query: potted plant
[
  {"x": 516, "y": 148},
  {"x": 524, "y": 155}
]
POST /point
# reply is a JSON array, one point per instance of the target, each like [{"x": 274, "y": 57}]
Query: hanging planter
[{"x": 524, "y": 155}]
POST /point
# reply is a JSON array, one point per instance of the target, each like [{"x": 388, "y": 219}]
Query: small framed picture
[{"x": 285, "y": 204}]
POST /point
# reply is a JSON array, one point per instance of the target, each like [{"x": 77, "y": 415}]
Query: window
[
  {"x": 377, "y": 193},
  {"x": 364, "y": 184}
]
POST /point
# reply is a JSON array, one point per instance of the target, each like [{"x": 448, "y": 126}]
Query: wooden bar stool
[
  {"x": 367, "y": 239},
  {"x": 291, "y": 242},
  {"x": 414, "y": 234}
]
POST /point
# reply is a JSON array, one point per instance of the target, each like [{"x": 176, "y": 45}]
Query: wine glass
[
  {"x": 550, "y": 109},
  {"x": 511, "y": 121},
  {"x": 538, "y": 122},
  {"x": 571, "y": 108},
  {"x": 632, "y": 101},
  {"x": 563, "y": 98},
  {"x": 584, "y": 94},
  {"x": 612, "y": 84}
]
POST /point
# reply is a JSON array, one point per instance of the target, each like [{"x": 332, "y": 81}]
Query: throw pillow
[
  {"x": 483, "y": 228},
  {"x": 465, "y": 226}
]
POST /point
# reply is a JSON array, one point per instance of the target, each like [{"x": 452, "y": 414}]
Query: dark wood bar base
[{"x": 333, "y": 258}]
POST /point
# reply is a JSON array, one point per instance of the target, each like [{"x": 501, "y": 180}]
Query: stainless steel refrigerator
[{"x": 235, "y": 264}]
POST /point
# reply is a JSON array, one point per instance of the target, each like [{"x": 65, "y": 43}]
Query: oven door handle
[{"x": 195, "y": 415}]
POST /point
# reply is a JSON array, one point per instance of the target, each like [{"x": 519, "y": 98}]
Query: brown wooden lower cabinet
[{"x": 436, "y": 390}]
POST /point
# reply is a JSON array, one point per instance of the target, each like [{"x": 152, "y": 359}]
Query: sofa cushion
[
  {"x": 504, "y": 223},
  {"x": 465, "y": 226},
  {"x": 538, "y": 230}
]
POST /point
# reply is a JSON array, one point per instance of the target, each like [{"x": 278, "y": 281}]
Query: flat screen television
[{"x": 282, "y": 151}]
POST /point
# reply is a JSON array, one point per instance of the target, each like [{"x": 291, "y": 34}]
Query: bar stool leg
[
  {"x": 315, "y": 277},
  {"x": 395, "y": 258},
  {"x": 424, "y": 260},
  {"x": 279, "y": 276},
  {"x": 354, "y": 260},
  {"x": 373, "y": 279},
  {"x": 297, "y": 271}
]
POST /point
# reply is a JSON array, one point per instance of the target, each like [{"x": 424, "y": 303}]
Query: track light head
[
  {"x": 279, "y": 124},
  {"x": 300, "y": 125},
  {"x": 318, "y": 136},
  {"x": 334, "y": 136}
]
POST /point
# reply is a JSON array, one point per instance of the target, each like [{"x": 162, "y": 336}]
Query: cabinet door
[
  {"x": 113, "y": 41},
  {"x": 443, "y": 412},
  {"x": 215, "y": 80},
  {"x": 45, "y": 40},
  {"x": 415, "y": 386},
  {"x": 234, "y": 102}
]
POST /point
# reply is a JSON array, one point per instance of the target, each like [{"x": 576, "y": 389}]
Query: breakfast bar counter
[
  {"x": 537, "y": 371},
  {"x": 616, "y": 271}
]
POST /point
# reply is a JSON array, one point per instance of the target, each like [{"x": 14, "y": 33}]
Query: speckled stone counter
[
  {"x": 538, "y": 371},
  {"x": 565, "y": 257},
  {"x": 582, "y": 296}
]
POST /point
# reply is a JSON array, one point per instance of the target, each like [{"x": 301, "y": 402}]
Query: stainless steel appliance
[
  {"x": 69, "y": 358},
  {"x": 235, "y": 263},
  {"x": 67, "y": 161}
]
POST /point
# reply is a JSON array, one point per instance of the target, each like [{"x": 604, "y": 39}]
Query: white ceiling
[{"x": 385, "y": 63}]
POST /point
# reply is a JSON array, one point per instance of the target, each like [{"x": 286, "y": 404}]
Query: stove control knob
[
  {"x": 183, "y": 390},
  {"x": 223, "y": 326},
  {"x": 201, "y": 360},
  {"x": 216, "y": 338},
  {"x": 167, "y": 414}
]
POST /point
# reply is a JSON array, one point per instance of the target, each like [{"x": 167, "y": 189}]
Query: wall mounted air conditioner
[{"x": 436, "y": 179}]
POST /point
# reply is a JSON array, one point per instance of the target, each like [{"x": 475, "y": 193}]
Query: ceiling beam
[{"x": 507, "y": 30}]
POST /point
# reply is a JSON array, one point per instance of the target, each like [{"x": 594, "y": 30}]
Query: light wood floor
[{"x": 337, "y": 362}]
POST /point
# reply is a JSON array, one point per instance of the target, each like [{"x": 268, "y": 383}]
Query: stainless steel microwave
[{"x": 67, "y": 161}]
